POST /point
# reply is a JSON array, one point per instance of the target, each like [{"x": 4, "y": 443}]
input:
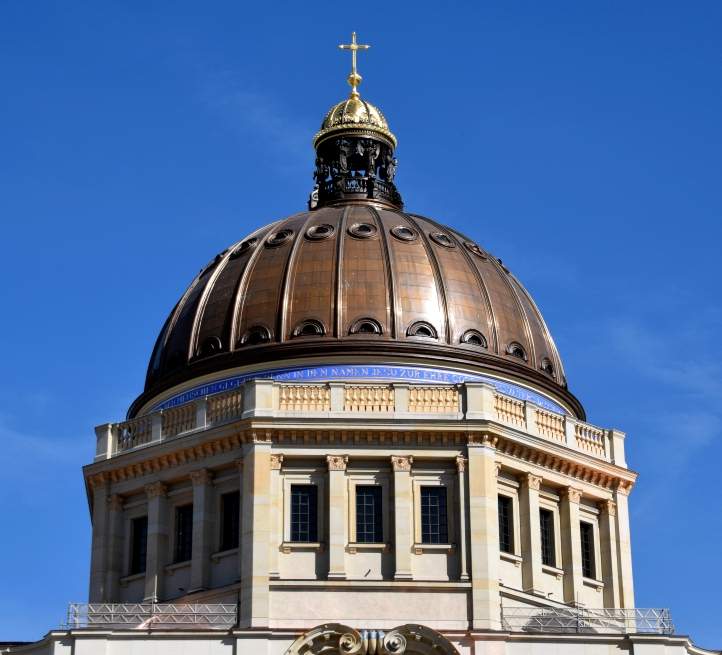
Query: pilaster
[
  {"x": 99, "y": 549},
  {"x": 115, "y": 547},
  {"x": 336, "y": 516},
  {"x": 530, "y": 534},
  {"x": 484, "y": 532},
  {"x": 276, "y": 462},
  {"x": 461, "y": 474},
  {"x": 403, "y": 508},
  {"x": 255, "y": 497},
  {"x": 624, "y": 545},
  {"x": 157, "y": 548},
  {"x": 202, "y": 529},
  {"x": 571, "y": 544},
  {"x": 608, "y": 547}
]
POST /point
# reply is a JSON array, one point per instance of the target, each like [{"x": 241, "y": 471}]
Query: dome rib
[{"x": 391, "y": 290}]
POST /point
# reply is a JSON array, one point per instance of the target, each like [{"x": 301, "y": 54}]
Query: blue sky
[{"x": 578, "y": 141}]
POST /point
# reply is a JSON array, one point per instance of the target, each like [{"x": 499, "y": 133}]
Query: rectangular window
[
  {"x": 369, "y": 528},
  {"x": 304, "y": 513},
  {"x": 548, "y": 546},
  {"x": 183, "y": 533},
  {"x": 587, "y": 538},
  {"x": 230, "y": 508},
  {"x": 138, "y": 544},
  {"x": 506, "y": 525},
  {"x": 434, "y": 525}
]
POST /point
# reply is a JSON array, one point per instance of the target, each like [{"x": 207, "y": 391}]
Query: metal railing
[
  {"x": 587, "y": 620},
  {"x": 149, "y": 616}
]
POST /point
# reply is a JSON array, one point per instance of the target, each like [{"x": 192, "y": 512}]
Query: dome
[
  {"x": 357, "y": 114},
  {"x": 361, "y": 281}
]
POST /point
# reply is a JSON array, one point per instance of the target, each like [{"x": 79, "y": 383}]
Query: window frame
[
  {"x": 177, "y": 554},
  {"x": 131, "y": 543},
  {"x": 222, "y": 545},
  {"x": 367, "y": 478},
  {"x": 377, "y": 514},
  {"x": 509, "y": 500},
  {"x": 549, "y": 512},
  {"x": 435, "y": 479},
  {"x": 592, "y": 546},
  {"x": 550, "y": 501},
  {"x": 300, "y": 477}
]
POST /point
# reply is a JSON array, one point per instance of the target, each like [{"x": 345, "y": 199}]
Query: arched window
[
  {"x": 309, "y": 328},
  {"x": 256, "y": 335},
  {"x": 474, "y": 338},
  {"x": 422, "y": 329},
  {"x": 547, "y": 366},
  {"x": 210, "y": 346},
  {"x": 366, "y": 326},
  {"x": 515, "y": 349}
]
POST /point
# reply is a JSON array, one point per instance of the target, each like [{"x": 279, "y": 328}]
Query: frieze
[{"x": 351, "y": 372}]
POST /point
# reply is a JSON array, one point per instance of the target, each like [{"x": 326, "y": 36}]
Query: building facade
[{"x": 356, "y": 436}]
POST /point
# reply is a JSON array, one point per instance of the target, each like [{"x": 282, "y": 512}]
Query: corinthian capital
[
  {"x": 200, "y": 477},
  {"x": 155, "y": 489},
  {"x": 402, "y": 462},
  {"x": 573, "y": 494},
  {"x": 276, "y": 462},
  {"x": 336, "y": 462}
]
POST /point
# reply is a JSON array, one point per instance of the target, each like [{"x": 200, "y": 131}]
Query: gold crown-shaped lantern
[{"x": 354, "y": 116}]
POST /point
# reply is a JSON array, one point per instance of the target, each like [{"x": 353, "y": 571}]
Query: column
[
  {"x": 461, "y": 481},
  {"x": 99, "y": 549},
  {"x": 255, "y": 535},
  {"x": 115, "y": 547},
  {"x": 571, "y": 544},
  {"x": 530, "y": 529},
  {"x": 336, "y": 516},
  {"x": 608, "y": 548},
  {"x": 276, "y": 516},
  {"x": 484, "y": 532},
  {"x": 626, "y": 580},
  {"x": 239, "y": 466},
  {"x": 157, "y": 550},
  {"x": 203, "y": 521},
  {"x": 403, "y": 512}
]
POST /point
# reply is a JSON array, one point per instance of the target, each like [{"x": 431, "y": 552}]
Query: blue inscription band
[{"x": 356, "y": 372}]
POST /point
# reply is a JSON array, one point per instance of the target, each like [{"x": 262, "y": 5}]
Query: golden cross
[{"x": 354, "y": 79}]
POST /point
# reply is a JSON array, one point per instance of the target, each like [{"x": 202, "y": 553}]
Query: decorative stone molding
[
  {"x": 482, "y": 439},
  {"x": 408, "y": 639},
  {"x": 336, "y": 462},
  {"x": 115, "y": 502},
  {"x": 573, "y": 494},
  {"x": 497, "y": 465},
  {"x": 201, "y": 477},
  {"x": 155, "y": 489},
  {"x": 609, "y": 507},
  {"x": 276, "y": 461},
  {"x": 623, "y": 487},
  {"x": 460, "y": 463},
  {"x": 260, "y": 437},
  {"x": 401, "y": 462},
  {"x": 532, "y": 481}
]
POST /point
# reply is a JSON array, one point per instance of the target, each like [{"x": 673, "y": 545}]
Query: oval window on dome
[
  {"x": 210, "y": 346},
  {"x": 279, "y": 238},
  {"x": 475, "y": 249},
  {"x": 547, "y": 366},
  {"x": 245, "y": 246},
  {"x": 442, "y": 239},
  {"x": 256, "y": 335},
  {"x": 319, "y": 232},
  {"x": 404, "y": 233},
  {"x": 422, "y": 329},
  {"x": 366, "y": 326},
  {"x": 362, "y": 230},
  {"x": 515, "y": 349},
  {"x": 309, "y": 328},
  {"x": 474, "y": 338}
]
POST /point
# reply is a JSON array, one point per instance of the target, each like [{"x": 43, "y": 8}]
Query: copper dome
[{"x": 360, "y": 280}]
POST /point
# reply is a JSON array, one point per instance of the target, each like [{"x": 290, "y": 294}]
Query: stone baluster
[{"x": 403, "y": 507}]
